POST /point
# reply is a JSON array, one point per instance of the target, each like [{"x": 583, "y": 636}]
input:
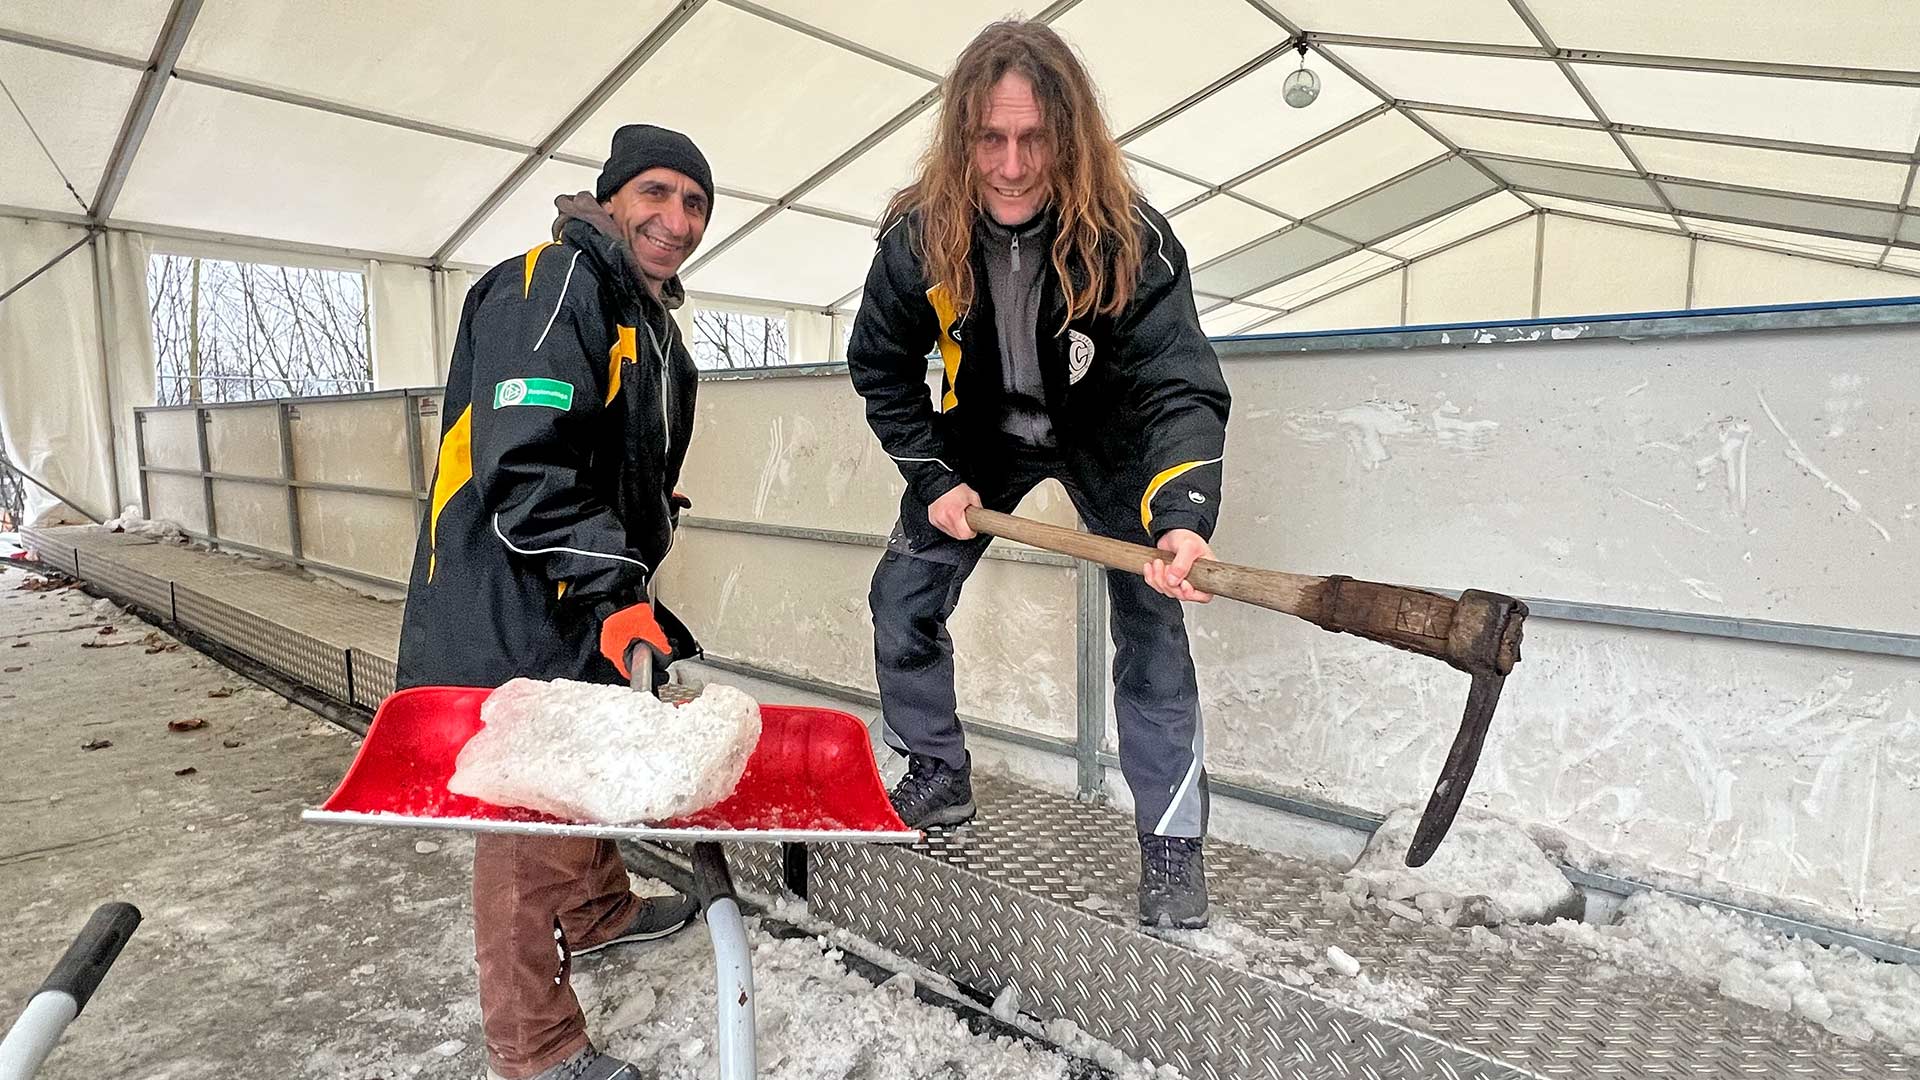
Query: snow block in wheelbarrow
[{"x": 811, "y": 778}]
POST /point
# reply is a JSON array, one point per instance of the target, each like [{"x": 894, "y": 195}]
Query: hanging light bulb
[{"x": 1303, "y": 86}]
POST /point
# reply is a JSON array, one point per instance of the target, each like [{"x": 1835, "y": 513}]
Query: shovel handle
[{"x": 1479, "y": 633}]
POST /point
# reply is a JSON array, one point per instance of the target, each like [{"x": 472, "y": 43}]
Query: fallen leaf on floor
[
  {"x": 194, "y": 724},
  {"x": 188, "y": 771},
  {"x": 96, "y": 744},
  {"x": 105, "y": 630},
  {"x": 11, "y": 670},
  {"x": 103, "y": 644},
  {"x": 21, "y": 644},
  {"x": 222, "y": 692},
  {"x": 232, "y": 744}
]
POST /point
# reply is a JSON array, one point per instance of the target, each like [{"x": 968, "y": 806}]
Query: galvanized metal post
[
  {"x": 140, "y": 459},
  {"x": 201, "y": 419},
  {"x": 1090, "y": 678},
  {"x": 284, "y": 413},
  {"x": 416, "y": 457}
]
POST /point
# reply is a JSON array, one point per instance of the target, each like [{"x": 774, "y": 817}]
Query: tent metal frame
[{"x": 161, "y": 65}]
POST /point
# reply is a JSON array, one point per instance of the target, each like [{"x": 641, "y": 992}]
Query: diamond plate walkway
[{"x": 1038, "y": 891}]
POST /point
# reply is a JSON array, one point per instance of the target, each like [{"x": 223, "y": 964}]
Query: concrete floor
[{"x": 270, "y": 948}]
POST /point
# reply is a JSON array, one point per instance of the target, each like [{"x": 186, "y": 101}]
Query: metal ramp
[{"x": 1017, "y": 897}]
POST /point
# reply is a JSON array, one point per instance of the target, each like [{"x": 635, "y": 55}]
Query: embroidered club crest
[{"x": 1079, "y": 356}]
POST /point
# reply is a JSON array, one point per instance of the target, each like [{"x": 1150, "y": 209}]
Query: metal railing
[{"x": 408, "y": 401}]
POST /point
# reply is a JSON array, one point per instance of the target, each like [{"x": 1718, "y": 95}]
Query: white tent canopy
[{"x": 437, "y": 133}]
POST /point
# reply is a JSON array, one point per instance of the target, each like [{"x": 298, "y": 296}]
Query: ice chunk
[
  {"x": 1481, "y": 856},
  {"x": 607, "y": 754},
  {"x": 1342, "y": 962}
]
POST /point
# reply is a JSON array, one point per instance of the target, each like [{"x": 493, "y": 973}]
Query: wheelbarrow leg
[{"x": 732, "y": 961}]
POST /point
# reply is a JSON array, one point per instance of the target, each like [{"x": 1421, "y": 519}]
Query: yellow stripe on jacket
[
  {"x": 452, "y": 472},
  {"x": 944, "y": 310},
  {"x": 1162, "y": 479}
]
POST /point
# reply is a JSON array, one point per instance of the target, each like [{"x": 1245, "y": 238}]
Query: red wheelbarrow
[{"x": 811, "y": 779}]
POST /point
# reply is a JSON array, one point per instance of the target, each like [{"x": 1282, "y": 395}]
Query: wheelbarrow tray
[{"x": 810, "y": 779}]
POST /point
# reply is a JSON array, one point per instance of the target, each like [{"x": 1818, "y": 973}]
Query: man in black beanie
[{"x": 568, "y": 408}]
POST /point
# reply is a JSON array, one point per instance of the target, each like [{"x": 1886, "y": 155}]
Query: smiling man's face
[
  {"x": 1014, "y": 152},
  {"x": 662, "y": 214}
]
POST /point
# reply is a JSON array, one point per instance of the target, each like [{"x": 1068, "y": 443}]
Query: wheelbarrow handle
[
  {"x": 79, "y": 972},
  {"x": 60, "y": 999}
]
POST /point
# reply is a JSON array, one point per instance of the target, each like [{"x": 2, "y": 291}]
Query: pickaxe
[{"x": 1479, "y": 633}]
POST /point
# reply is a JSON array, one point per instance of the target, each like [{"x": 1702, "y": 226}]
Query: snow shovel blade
[{"x": 1458, "y": 771}]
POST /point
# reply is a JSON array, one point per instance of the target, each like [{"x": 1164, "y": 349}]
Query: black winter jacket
[
  {"x": 1137, "y": 399},
  {"x": 568, "y": 409}
]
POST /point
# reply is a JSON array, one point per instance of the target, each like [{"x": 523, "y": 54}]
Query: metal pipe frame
[
  {"x": 45, "y": 266},
  {"x": 166, "y": 52},
  {"x": 133, "y": 130},
  {"x": 275, "y": 481}
]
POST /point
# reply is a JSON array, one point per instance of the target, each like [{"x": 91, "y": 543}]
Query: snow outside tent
[{"x": 1611, "y": 306}]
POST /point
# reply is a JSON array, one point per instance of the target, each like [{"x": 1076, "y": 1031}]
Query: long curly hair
[{"x": 1097, "y": 251}]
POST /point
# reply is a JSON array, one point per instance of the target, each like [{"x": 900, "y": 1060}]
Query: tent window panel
[
  {"x": 725, "y": 339},
  {"x": 243, "y": 331}
]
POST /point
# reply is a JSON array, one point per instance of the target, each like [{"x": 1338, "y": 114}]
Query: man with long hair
[{"x": 1062, "y": 310}]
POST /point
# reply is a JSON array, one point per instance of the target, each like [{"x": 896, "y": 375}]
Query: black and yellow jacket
[
  {"x": 568, "y": 409},
  {"x": 1138, "y": 403}
]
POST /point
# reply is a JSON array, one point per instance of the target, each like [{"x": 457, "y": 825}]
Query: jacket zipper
[{"x": 1016, "y": 253}]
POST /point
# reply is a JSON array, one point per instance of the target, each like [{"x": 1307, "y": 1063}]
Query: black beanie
[{"x": 639, "y": 147}]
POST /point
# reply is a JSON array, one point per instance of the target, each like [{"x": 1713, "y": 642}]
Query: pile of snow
[
  {"x": 130, "y": 521},
  {"x": 815, "y": 1020},
  {"x": 1486, "y": 872},
  {"x": 1842, "y": 989},
  {"x": 608, "y": 754},
  {"x": 1331, "y": 973}
]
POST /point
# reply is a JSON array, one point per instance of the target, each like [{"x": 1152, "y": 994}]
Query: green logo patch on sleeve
[{"x": 551, "y": 393}]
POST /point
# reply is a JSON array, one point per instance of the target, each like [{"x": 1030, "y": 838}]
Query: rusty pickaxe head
[{"x": 1479, "y": 633}]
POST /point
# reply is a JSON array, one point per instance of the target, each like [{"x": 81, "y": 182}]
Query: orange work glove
[{"x": 621, "y": 629}]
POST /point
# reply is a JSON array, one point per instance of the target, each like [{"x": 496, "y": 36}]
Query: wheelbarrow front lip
[{"x": 688, "y": 834}]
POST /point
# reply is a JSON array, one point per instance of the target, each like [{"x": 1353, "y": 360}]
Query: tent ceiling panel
[
  {"x": 1651, "y": 219},
  {"x": 1408, "y": 201},
  {"x": 248, "y": 166},
  {"x": 824, "y": 101},
  {"x": 1273, "y": 259},
  {"x": 1759, "y": 106},
  {"x": 1846, "y": 33},
  {"x": 1910, "y": 228},
  {"x": 1782, "y": 210},
  {"x": 1248, "y": 123},
  {"x": 1220, "y": 224},
  {"x": 931, "y": 38},
  {"x": 1484, "y": 82},
  {"x": 77, "y": 107},
  {"x": 1302, "y": 289},
  {"x": 1163, "y": 190},
  {"x": 527, "y": 216},
  {"x": 1518, "y": 138},
  {"x": 810, "y": 260},
  {"x": 1751, "y": 166},
  {"x": 1495, "y": 209},
  {"x": 1574, "y": 183},
  {"x": 1378, "y": 150},
  {"x": 497, "y": 67},
  {"x": 1143, "y": 61},
  {"x": 127, "y": 27},
  {"x": 865, "y": 184},
  {"x": 1798, "y": 243},
  {"x": 1491, "y": 22},
  {"x": 1233, "y": 318}
]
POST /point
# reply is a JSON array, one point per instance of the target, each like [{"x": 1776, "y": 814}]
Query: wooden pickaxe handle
[{"x": 1479, "y": 633}]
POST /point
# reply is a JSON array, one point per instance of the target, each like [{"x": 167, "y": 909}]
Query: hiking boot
[
  {"x": 658, "y": 917},
  {"x": 933, "y": 792},
  {"x": 588, "y": 1064},
  {"x": 1173, "y": 882}
]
